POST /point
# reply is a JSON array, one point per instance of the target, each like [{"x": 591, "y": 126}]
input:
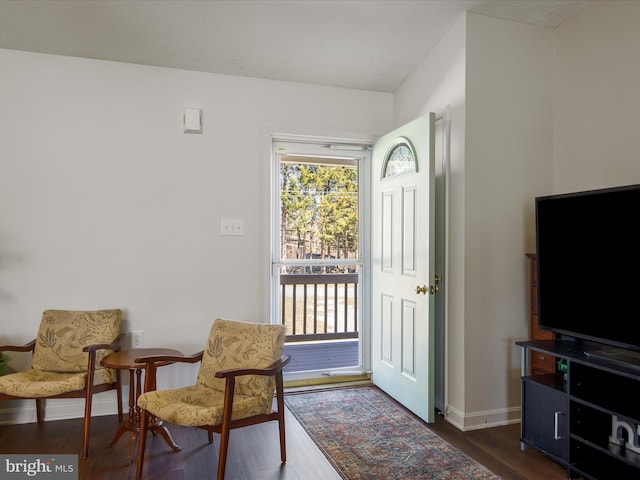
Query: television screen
[{"x": 588, "y": 260}]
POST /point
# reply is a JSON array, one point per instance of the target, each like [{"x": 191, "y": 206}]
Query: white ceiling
[{"x": 363, "y": 44}]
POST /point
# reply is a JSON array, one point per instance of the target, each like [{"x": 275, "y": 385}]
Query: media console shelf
[{"x": 587, "y": 419}]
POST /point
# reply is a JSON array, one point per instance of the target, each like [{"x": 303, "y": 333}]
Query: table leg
[
  {"x": 129, "y": 423},
  {"x": 134, "y": 408},
  {"x": 166, "y": 434},
  {"x": 132, "y": 423}
]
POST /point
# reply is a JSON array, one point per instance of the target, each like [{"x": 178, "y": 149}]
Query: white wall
[
  {"x": 106, "y": 203},
  {"x": 544, "y": 112},
  {"x": 597, "y": 94},
  {"x": 508, "y": 162},
  {"x": 496, "y": 78}
]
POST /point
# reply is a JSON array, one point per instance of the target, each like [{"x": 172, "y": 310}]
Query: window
[{"x": 400, "y": 158}]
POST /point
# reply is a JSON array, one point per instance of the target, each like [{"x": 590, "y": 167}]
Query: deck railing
[{"x": 321, "y": 306}]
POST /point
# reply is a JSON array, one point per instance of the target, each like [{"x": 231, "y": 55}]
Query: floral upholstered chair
[
  {"x": 240, "y": 368},
  {"x": 65, "y": 361}
]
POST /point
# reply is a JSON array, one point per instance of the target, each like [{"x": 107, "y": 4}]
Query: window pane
[
  {"x": 318, "y": 208},
  {"x": 400, "y": 159}
]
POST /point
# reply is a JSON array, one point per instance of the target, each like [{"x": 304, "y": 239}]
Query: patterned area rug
[{"x": 365, "y": 435}]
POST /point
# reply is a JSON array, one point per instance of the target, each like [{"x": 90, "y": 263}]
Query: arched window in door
[{"x": 399, "y": 159}]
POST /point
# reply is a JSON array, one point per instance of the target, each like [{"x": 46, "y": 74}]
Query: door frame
[
  {"x": 268, "y": 210},
  {"x": 269, "y": 135},
  {"x": 442, "y": 178}
]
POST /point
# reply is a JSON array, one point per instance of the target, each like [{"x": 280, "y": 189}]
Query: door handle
[
  {"x": 556, "y": 425},
  {"x": 433, "y": 289}
]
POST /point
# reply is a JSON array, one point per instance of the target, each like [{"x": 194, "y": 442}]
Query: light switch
[
  {"x": 234, "y": 227},
  {"x": 192, "y": 120}
]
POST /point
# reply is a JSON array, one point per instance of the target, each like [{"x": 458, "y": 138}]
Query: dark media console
[
  {"x": 586, "y": 415},
  {"x": 581, "y": 386}
]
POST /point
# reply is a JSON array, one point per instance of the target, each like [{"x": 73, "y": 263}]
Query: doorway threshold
[{"x": 297, "y": 386}]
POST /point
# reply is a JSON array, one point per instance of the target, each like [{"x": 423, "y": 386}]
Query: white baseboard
[
  {"x": 24, "y": 411},
  {"x": 478, "y": 420}
]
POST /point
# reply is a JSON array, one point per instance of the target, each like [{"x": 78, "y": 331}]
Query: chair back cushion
[
  {"x": 63, "y": 334},
  {"x": 234, "y": 344}
]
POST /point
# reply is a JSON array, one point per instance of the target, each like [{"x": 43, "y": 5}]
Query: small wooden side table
[{"x": 125, "y": 360}]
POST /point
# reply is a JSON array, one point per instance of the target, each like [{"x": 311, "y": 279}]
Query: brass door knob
[{"x": 421, "y": 289}]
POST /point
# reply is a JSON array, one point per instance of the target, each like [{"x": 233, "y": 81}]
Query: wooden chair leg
[
  {"x": 225, "y": 428},
  {"x": 224, "y": 447},
  {"x": 39, "y": 414},
  {"x": 283, "y": 442},
  {"x": 281, "y": 427},
  {"x": 142, "y": 442},
  {"x": 87, "y": 427},
  {"x": 88, "y": 396}
]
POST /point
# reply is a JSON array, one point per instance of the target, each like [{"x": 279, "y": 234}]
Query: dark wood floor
[
  {"x": 253, "y": 452},
  {"x": 498, "y": 449}
]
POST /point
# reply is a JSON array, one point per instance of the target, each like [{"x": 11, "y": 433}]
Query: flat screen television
[{"x": 588, "y": 265}]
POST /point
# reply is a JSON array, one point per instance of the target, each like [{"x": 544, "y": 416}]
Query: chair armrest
[
  {"x": 271, "y": 370},
  {"x": 152, "y": 362},
  {"x": 28, "y": 347},
  {"x": 91, "y": 357},
  {"x": 115, "y": 345}
]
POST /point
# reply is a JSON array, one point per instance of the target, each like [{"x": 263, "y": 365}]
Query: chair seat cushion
[
  {"x": 197, "y": 405},
  {"x": 40, "y": 384}
]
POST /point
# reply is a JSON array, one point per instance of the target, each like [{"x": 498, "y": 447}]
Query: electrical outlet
[
  {"x": 137, "y": 339},
  {"x": 233, "y": 227}
]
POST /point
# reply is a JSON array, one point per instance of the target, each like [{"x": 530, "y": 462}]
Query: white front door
[{"x": 403, "y": 279}]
